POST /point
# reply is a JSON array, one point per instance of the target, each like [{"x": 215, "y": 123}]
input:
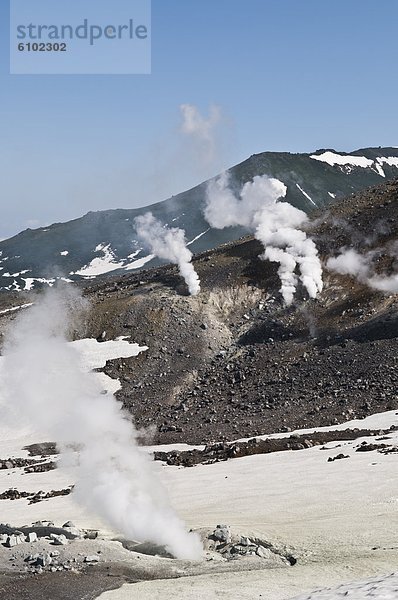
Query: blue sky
[{"x": 289, "y": 75}]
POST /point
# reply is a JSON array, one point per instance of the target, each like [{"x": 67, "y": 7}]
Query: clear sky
[{"x": 288, "y": 75}]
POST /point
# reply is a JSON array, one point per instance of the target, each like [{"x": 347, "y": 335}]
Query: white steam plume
[
  {"x": 169, "y": 244},
  {"x": 42, "y": 383},
  {"x": 351, "y": 262},
  {"x": 201, "y": 130},
  {"x": 275, "y": 224}
]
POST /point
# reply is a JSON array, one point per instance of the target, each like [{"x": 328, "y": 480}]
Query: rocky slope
[
  {"x": 102, "y": 243},
  {"x": 233, "y": 361}
]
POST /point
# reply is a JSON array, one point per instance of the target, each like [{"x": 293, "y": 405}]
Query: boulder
[
  {"x": 59, "y": 540},
  {"x": 92, "y": 559},
  {"x": 263, "y": 552},
  {"x": 31, "y": 557},
  {"x": 72, "y": 532},
  {"x": 43, "y": 560},
  {"x": 222, "y": 533},
  {"x": 91, "y": 534}
]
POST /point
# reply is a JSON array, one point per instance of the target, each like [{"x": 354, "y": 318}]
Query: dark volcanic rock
[
  {"x": 257, "y": 367},
  {"x": 224, "y": 451},
  {"x": 234, "y": 362}
]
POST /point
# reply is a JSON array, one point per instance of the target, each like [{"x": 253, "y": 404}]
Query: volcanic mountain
[
  {"x": 105, "y": 242},
  {"x": 234, "y": 361}
]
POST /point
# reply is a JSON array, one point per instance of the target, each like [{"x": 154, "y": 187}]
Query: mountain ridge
[{"x": 103, "y": 242}]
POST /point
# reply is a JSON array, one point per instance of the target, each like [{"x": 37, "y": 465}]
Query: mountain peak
[{"x": 104, "y": 242}]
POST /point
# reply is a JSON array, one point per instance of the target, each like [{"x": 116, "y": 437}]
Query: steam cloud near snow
[
  {"x": 351, "y": 262},
  {"x": 44, "y": 385},
  {"x": 275, "y": 224},
  {"x": 169, "y": 244}
]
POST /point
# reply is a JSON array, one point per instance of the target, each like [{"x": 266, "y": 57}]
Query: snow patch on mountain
[
  {"x": 332, "y": 159},
  {"x": 305, "y": 194},
  {"x": 347, "y": 162},
  {"x": 108, "y": 262},
  {"x": 100, "y": 264},
  {"x": 15, "y": 274},
  {"x": 391, "y": 161},
  {"x": 94, "y": 354},
  {"x": 30, "y": 282},
  {"x": 379, "y": 168},
  {"x": 198, "y": 236},
  {"x": 14, "y": 308},
  {"x": 140, "y": 262}
]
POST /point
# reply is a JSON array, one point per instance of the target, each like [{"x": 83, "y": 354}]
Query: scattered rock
[
  {"x": 59, "y": 540},
  {"x": 92, "y": 559},
  {"x": 222, "y": 533},
  {"x": 366, "y": 447},
  {"x": 72, "y": 532},
  {"x": 223, "y": 451},
  {"x": 91, "y": 534},
  {"x": 43, "y": 560},
  {"x": 245, "y": 541},
  {"x": 338, "y": 457}
]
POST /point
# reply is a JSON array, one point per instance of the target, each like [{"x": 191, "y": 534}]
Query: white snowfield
[
  {"x": 338, "y": 519},
  {"x": 108, "y": 262},
  {"x": 94, "y": 354},
  {"x": 348, "y": 161},
  {"x": 101, "y": 264},
  {"x": 382, "y": 588},
  {"x": 332, "y": 159}
]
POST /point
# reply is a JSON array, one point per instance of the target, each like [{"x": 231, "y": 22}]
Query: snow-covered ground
[
  {"x": 338, "y": 519},
  {"x": 94, "y": 354},
  {"x": 383, "y": 588}
]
